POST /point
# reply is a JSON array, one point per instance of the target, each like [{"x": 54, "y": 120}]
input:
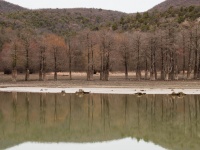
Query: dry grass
[{"x": 117, "y": 80}]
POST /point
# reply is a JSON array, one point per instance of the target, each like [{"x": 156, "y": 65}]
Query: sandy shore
[
  {"x": 99, "y": 90},
  {"x": 116, "y": 85}
]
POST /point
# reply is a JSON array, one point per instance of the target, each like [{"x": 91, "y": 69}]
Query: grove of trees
[{"x": 166, "y": 54}]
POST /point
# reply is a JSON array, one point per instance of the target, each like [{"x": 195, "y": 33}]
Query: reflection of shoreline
[
  {"x": 101, "y": 90},
  {"x": 127, "y": 143}
]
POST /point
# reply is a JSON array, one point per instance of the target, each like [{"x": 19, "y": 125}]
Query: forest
[{"x": 155, "y": 45}]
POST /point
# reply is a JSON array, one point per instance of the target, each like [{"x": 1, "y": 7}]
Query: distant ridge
[
  {"x": 6, "y": 7},
  {"x": 175, "y": 3}
]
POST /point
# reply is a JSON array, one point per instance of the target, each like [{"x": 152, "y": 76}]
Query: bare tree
[
  {"x": 153, "y": 45},
  {"x": 197, "y": 47},
  {"x": 57, "y": 46},
  {"x": 106, "y": 46},
  {"x": 90, "y": 43},
  {"x": 124, "y": 50},
  {"x": 196, "y": 50},
  {"x": 42, "y": 58},
  {"x": 26, "y": 40},
  {"x": 162, "y": 53},
  {"x": 183, "y": 47},
  {"x": 170, "y": 52},
  {"x": 69, "y": 53},
  {"x": 14, "y": 61},
  {"x": 15, "y": 47},
  {"x": 190, "y": 56},
  {"x": 137, "y": 48},
  {"x": 74, "y": 48}
]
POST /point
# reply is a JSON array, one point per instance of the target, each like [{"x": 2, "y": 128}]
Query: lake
[{"x": 99, "y": 121}]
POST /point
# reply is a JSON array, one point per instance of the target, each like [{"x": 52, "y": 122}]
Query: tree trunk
[
  {"x": 44, "y": 66},
  {"x": 162, "y": 64},
  {"x": 27, "y": 74},
  {"x": 175, "y": 67},
  {"x": 55, "y": 76},
  {"x": 107, "y": 69},
  {"x": 152, "y": 71},
  {"x": 40, "y": 75},
  {"x": 40, "y": 70},
  {"x": 146, "y": 68},
  {"x": 14, "y": 74},
  {"x": 167, "y": 76},
  {"x": 190, "y": 59},
  {"x": 196, "y": 47},
  {"x": 155, "y": 69},
  {"x": 55, "y": 64},
  {"x": 102, "y": 60},
  {"x": 198, "y": 75},
  {"x": 126, "y": 66},
  {"x": 90, "y": 68},
  {"x": 92, "y": 63},
  {"x": 27, "y": 63},
  {"x": 14, "y": 71},
  {"x": 195, "y": 60},
  {"x": 171, "y": 74},
  {"x": 70, "y": 60},
  {"x": 88, "y": 59},
  {"x": 184, "y": 60},
  {"x": 167, "y": 65},
  {"x": 138, "y": 71}
]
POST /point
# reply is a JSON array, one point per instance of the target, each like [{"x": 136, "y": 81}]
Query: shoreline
[{"x": 100, "y": 90}]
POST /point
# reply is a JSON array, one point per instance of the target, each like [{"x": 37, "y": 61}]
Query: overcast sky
[{"x": 129, "y": 6}]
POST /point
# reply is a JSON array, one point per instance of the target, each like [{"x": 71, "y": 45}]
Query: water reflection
[
  {"x": 166, "y": 120},
  {"x": 128, "y": 144}
]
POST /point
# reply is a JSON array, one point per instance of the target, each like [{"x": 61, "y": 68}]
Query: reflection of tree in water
[
  {"x": 126, "y": 107},
  {"x": 2, "y": 125},
  {"x": 90, "y": 112},
  {"x": 196, "y": 113},
  {"x": 164, "y": 119},
  {"x": 68, "y": 118},
  {"x": 27, "y": 102},
  {"x": 138, "y": 114},
  {"x": 105, "y": 112},
  {"x": 42, "y": 107},
  {"x": 14, "y": 106},
  {"x": 55, "y": 108}
]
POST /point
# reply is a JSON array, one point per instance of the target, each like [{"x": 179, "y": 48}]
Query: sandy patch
[{"x": 99, "y": 90}]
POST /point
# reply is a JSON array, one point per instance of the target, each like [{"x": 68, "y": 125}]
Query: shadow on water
[{"x": 170, "y": 121}]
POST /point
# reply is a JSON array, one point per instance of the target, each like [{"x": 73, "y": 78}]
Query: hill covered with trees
[
  {"x": 8, "y": 7},
  {"x": 162, "y": 44},
  {"x": 176, "y": 4}
]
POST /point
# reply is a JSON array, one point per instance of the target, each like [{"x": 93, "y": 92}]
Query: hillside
[
  {"x": 6, "y": 7},
  {"x": 176, "y": 3},
  {"x": 61, "y": 20},
  {"x": 153, "y": 20},
  {"x": 58, "y": 21}
]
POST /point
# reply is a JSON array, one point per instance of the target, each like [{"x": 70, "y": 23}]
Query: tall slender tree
[
  {"x": 137, "y": 48},
  {"x": 124, "y": 51},
  {"x": 26, "y": 42},
  {"x": 106, "y": 46},
  {"x": 57, "y": 46}
]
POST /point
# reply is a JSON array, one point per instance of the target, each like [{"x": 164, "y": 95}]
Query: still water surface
[{"x": 96, "y": 121}]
